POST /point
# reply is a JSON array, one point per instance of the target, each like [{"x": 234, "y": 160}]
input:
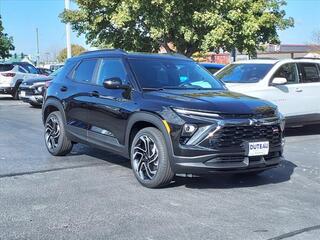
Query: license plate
[
  {"x": 22, "y": 93},
  {"x": 258, "y": 148}
]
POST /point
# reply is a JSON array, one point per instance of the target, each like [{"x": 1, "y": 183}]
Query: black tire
[
  {"x": 35, "y": 105},
  {"x": 15, "y": 94},
  {"x": 164, "y": 173},
  {"x": 57, "y": 144}
]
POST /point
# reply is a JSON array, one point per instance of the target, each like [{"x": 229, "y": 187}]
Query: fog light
[{"x": 188, "y": 130}]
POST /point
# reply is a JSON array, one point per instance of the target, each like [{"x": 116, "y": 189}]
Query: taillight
[{"x": 8, "y": 74}]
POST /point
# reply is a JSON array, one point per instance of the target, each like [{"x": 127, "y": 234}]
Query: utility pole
[
  {"x": 38, "y": 51},
  {"x": 68, "y": 30}
]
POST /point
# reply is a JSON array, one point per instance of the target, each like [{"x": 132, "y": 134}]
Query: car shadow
[
  {"x": 80, "y": 149},
  {"x": 226, "y": 181},
  {"x": 216, "y": 181},
  {"x": 303, "y": 131}
]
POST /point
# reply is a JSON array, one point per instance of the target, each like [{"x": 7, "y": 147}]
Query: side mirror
[
  {"x": 114, "y": 83},
  {"x": 279, "y": 81}
]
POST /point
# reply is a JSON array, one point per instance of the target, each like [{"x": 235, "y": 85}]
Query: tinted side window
[
  {"x": 309, "y": 72},
  {"x": 21, "y": 69},
  {"x": 110, "y": 68},
  {"x": 84, "y": 72},
  {"x": 213, "y": 70},
  {"x": 288, "y": 71}
]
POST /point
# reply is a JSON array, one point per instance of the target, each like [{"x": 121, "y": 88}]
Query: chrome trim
[{"x": 195, "y": 113}]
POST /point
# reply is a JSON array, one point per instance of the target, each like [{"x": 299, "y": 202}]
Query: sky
[{"x": 22, "y": 17}]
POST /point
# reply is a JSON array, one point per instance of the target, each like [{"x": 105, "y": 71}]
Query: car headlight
[
  {"x": 188, "y": 112},
  {"x": 188, "y": 130},
  {"x": 39, "y": 89}
]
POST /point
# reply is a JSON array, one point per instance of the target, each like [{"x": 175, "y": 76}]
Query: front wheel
[
  {"x": 150, "y": 159},
  {"x": 55, "y": 136}
]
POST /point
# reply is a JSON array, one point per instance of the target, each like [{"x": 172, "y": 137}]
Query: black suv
[{"x": 164, "y": 112}]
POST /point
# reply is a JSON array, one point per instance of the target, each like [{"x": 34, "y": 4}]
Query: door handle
[
  {"x": 63, "y": 89},
  {"x": 299, "y": 90},
  {"x": 94, "y": 94}
]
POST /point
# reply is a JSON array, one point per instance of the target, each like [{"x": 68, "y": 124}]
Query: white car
[
  {"x": 11, "y": 76},
  {"x": 292, "y": 84}
]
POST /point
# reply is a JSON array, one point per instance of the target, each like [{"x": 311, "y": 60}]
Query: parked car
[
  {"x": 33, "y": 90},
  {"x": 11, "y": 76},
  {"x": 212, "y": 67},
  {"x": 54, "y": 67},
  {"x": 44, "y": 71},
  {"x": 164, "y": 112},
  {"x": 28, "y": 67},
  {"x": 292, "y": 84}
]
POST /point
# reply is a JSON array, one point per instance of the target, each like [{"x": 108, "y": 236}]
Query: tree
[
  {"x": 179, "y": 25},
  {"x": 6, "y": 43},
  {"x": 316, "y": 37},
  {"x": 75, "y": 50}
]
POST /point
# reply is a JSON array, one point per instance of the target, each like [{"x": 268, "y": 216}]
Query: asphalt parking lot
[{"x": 92, "y": 194}]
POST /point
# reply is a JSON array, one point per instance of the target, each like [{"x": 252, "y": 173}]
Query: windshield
[
  {"x": 31, "y": 69},
  {"x": 55, "y": 73},
  {"x": 243, "y": 73},
  {"x": 173, "y": 74}
]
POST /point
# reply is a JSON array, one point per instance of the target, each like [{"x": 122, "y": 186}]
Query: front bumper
[
  {"x": 212, "y": 152},
  {"x": 30, "y": 96},
  {"x": 226, "y": 163}
]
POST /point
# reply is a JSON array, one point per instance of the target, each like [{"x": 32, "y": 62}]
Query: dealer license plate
[{"x": 258, "y": 148}]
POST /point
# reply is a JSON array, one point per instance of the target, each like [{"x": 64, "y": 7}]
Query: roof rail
[
  {"x": 310, "y": 58},
  {"x": 103, "y": 50}
]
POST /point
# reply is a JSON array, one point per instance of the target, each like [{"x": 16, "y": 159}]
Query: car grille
[
  {"x": 235, "y": 136},
  {"x": 28, "y": 91}
]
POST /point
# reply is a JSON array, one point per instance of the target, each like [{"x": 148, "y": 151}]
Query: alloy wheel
[
  {"x": 145, "y": 158},
  {"x": 52, "y": 133}
]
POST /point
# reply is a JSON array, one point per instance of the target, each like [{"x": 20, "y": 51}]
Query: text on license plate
[{"x": 258, "y": 148}]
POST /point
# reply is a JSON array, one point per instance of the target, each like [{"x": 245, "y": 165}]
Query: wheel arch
[
  {"x": 52, "y": 104},
  {"x": 142, "y": 120}
]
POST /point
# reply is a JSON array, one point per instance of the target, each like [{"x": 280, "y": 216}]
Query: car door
[
  {"x": 109, "y": 109},
  {"x": 75, "y": 93},
  {"x": 310, "y": 86},
  {"x": 288, "y": 97}
]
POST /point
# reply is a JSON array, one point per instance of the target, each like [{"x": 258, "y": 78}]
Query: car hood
[
  {"x": 36, "y": 80},
  {"x": 241, "y": 87},
  {"x": 225, "y": 102}
]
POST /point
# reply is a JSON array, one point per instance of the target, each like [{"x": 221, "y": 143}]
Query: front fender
[{"x": 153, "y": 119}]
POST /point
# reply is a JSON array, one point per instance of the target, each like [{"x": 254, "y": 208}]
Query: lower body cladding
[
  {"x": 29, "y": 96},
  {"x": 232, "y": 147}
]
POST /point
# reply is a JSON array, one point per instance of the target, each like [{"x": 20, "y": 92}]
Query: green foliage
[
  {"x": 6, "y": 43},
  {"x": 191, "y": 26},
  {"x": 75, "y": 50}
]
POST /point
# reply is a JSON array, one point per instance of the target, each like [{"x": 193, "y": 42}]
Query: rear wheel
[
  {"x": 15, "y": 94},
  {"x": 150, "y": 159},
  {"x": 55, "y": 136}
]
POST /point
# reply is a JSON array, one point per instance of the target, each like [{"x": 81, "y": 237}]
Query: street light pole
[
  {"x": 38, "y": 51},
  {"x": 68, "y": 30}
]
